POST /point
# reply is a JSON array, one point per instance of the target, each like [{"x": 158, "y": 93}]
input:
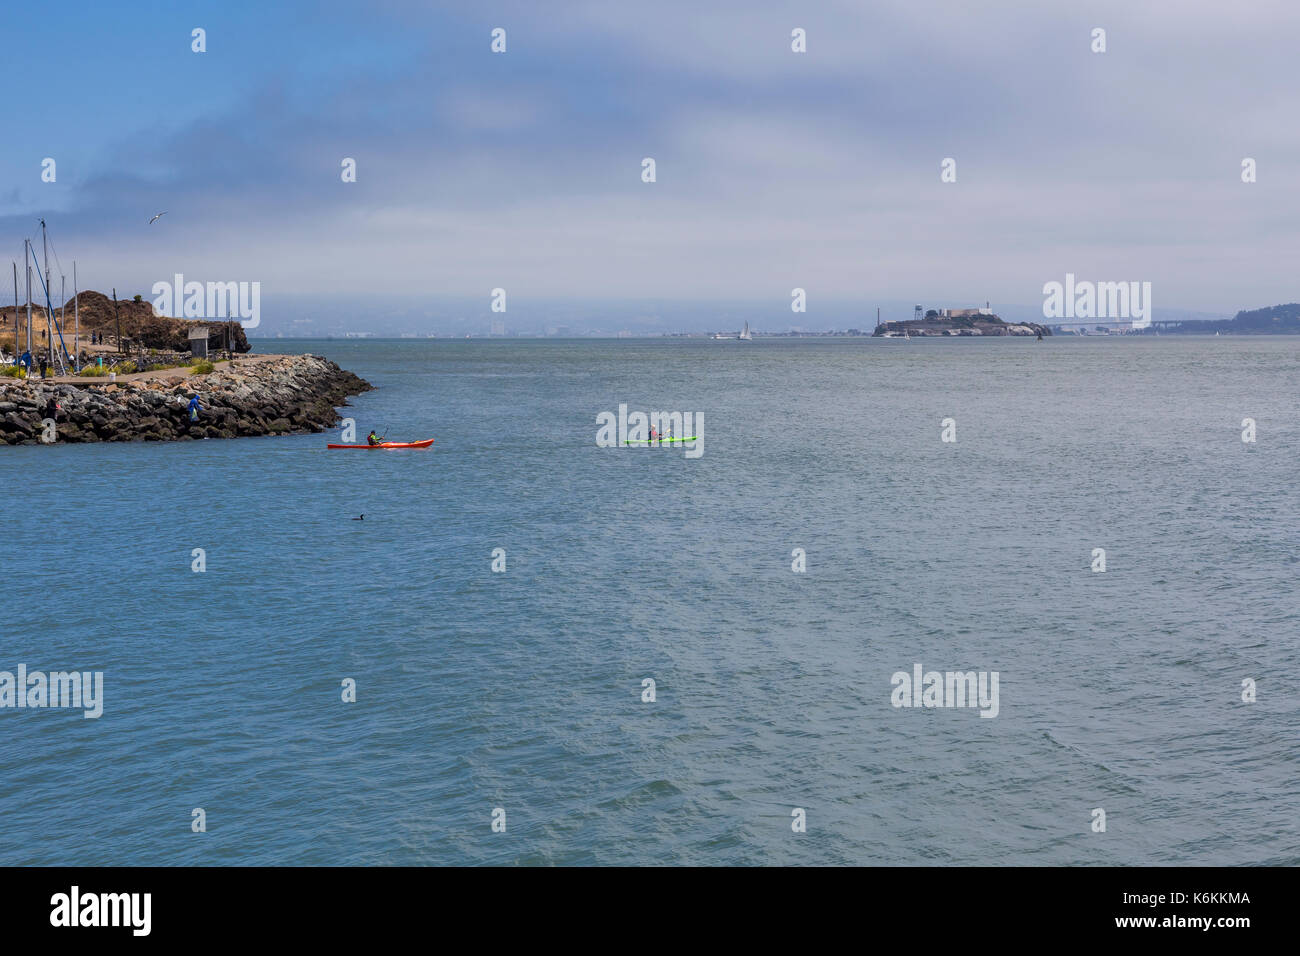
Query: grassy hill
[{"x": 139, "y": 323}]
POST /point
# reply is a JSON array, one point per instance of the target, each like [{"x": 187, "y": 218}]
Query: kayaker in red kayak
[{"x": 372, "y": 438}]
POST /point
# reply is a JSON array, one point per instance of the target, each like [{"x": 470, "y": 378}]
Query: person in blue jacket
[{"x": 195, "y": 408}]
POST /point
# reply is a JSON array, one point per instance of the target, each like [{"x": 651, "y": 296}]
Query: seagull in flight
[{"x": 156, "y": 218}]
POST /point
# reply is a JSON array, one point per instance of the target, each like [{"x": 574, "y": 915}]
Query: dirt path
[{"x": 160, "y": 375}]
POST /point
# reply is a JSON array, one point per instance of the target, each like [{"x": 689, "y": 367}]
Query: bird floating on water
[
  {"x": 362, "y": 518},
  {"x": 156, "y": 218}
]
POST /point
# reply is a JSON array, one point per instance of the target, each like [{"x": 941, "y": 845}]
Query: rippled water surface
[{"x": 1118, "y": 690}]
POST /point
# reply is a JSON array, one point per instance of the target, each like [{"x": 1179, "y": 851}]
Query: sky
[{"x": 774, "y": 169}]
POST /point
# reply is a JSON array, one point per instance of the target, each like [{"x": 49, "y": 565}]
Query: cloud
[{"x": 774, "y": 169}]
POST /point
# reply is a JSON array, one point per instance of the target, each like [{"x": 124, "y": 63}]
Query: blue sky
[{"x": 775, "y": 169}]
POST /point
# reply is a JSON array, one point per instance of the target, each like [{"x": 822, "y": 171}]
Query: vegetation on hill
[{"x": 139, "y": 323}]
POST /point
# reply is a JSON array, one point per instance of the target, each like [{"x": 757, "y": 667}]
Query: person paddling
[{"x": 372, "y": 438}]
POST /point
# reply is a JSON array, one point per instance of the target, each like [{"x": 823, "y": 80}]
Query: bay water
[{"x": 521, "y": 691}]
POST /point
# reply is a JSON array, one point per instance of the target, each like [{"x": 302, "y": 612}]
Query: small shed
[{"x": 199, "y": 341}]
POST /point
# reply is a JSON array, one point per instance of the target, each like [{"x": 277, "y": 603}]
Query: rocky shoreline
[{"x": 278, "y": 395}]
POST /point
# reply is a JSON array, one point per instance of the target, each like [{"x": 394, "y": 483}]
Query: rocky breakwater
[{"x": 253, "y": 396}]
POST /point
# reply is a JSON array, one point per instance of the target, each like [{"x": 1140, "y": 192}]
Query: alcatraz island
[{"x": 958, "y": 322}]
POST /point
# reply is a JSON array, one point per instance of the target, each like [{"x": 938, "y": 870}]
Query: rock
[{"x": 17, "y": 423}]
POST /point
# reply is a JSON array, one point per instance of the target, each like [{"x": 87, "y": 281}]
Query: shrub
[
  {"x": 13, "y": 371},
  {"x": 93, "y": 371},
  {"x": 202, "y": 366}
]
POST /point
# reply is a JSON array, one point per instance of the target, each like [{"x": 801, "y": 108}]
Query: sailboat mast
[
  {"x": 76, "y": 321},
  {"x": 27, "y": 250},
  {"x": 51, "y": 323},
  {"x": 49, "y": 328},
  {"x": 45, "y": 249}
]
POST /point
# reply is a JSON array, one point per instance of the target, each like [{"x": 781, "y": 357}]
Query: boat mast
[
  {"x": 27, "y": 249},
  {"x": 76, "y": 321},
  {"x": 57, "y": 357},
  {"x": 49, "y": 306}
]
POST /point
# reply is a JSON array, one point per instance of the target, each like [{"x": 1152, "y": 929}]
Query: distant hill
[
  {"x": 1274, "y": 320},
  {"x": 139, "y": 323}
]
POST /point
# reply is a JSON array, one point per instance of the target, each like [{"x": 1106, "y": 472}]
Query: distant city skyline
[{"x": 774, "y": 170}]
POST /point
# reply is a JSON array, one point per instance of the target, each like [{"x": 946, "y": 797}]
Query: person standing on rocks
[{"x": 195, "y": 408}]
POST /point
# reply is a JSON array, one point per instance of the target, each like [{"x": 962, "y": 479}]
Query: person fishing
[
  {"x": 195, "y": 408},
  {"x": 372, "y": 438}
]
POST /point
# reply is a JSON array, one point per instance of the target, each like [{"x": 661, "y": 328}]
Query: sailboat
[{"x": 746, "y": 335}]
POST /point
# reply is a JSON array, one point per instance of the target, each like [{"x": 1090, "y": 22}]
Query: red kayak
[{"x": 390, "y": 444}]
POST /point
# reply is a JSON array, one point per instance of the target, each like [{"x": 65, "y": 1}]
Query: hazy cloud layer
[{"x": 775, "y": 170}]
